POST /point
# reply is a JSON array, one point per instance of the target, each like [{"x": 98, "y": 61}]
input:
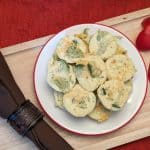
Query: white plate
[{"x": 87, "y": 126}]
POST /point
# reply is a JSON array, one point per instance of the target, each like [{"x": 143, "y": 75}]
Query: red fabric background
[{"x": 22, "y": 20}]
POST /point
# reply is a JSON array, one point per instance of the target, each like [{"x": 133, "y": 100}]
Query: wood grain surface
[{"x": 21, "y": 59}]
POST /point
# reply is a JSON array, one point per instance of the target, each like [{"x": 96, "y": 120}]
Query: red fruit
[
  {"x": 146, "y": 22},
  {"x": 143, "y": 39},
  {"x": 147, "y": 29}
]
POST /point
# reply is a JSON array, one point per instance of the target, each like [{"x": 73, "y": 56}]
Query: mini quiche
[
  {"x": 113, "y": 94},
  {"x": 85, "y": 36},
  {"x": 70, "y": 48},
  {"x": 79, "y": 102},
  {"x": 58, "y": 96},
  {"x": 120, "y": 67},
  {"x": 100, "y": 113},
  {"x": 90, "y": 72},
  {"x": 61, "y": 76},
  {"x": 103, "y": 43}
]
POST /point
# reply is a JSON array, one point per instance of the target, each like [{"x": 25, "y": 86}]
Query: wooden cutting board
[{"x": 21, "y": 59}]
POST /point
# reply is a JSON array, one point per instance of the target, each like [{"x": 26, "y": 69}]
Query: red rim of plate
[{"x": 86, "y": 134}]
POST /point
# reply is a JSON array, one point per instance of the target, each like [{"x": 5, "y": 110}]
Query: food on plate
[
  {"x": 70, "y": 48},
  {"x": 120, "y": 50},
  {"x": 79, "y": 102},
  {"x": 58, "y": 96},
  {"x": 90, "y": 72},
  {"x": 103, "y": 43},
  {"x": 120, "y": 67},
  {"x": 113, "y": 94},
  {"x": 60, "y": 76},
  {"x": 100, "y": 113},
  {"x": 85, "y": 36}
]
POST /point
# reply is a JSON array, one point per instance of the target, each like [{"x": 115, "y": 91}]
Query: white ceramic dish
[{"x": 87, "y": 126}]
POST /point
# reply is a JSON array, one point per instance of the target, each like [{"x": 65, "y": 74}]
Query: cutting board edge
[{"x": 41, "y": 41}]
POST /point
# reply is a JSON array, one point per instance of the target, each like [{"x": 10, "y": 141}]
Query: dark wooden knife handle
[
  {"x": 7, "y": 80},
  {"x": 11, "y": 99}
]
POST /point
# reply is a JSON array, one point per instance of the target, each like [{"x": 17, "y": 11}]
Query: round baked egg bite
[
  {"x": 91, "y": 72},
  {"x": 113, "y": 94},
  {"x": 79, "y": 102},
  {"x": 58, "y": 96},
  {"x": 120, "y": 67},
  {"x": 71, "y": 48},
  {"x": 100, "y": 113},
  {"x": 60, "y": 76},
  {"x": 103, "y": 43}
]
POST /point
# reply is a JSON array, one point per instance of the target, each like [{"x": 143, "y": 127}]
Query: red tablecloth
[{"x": 22, "y": 20}]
